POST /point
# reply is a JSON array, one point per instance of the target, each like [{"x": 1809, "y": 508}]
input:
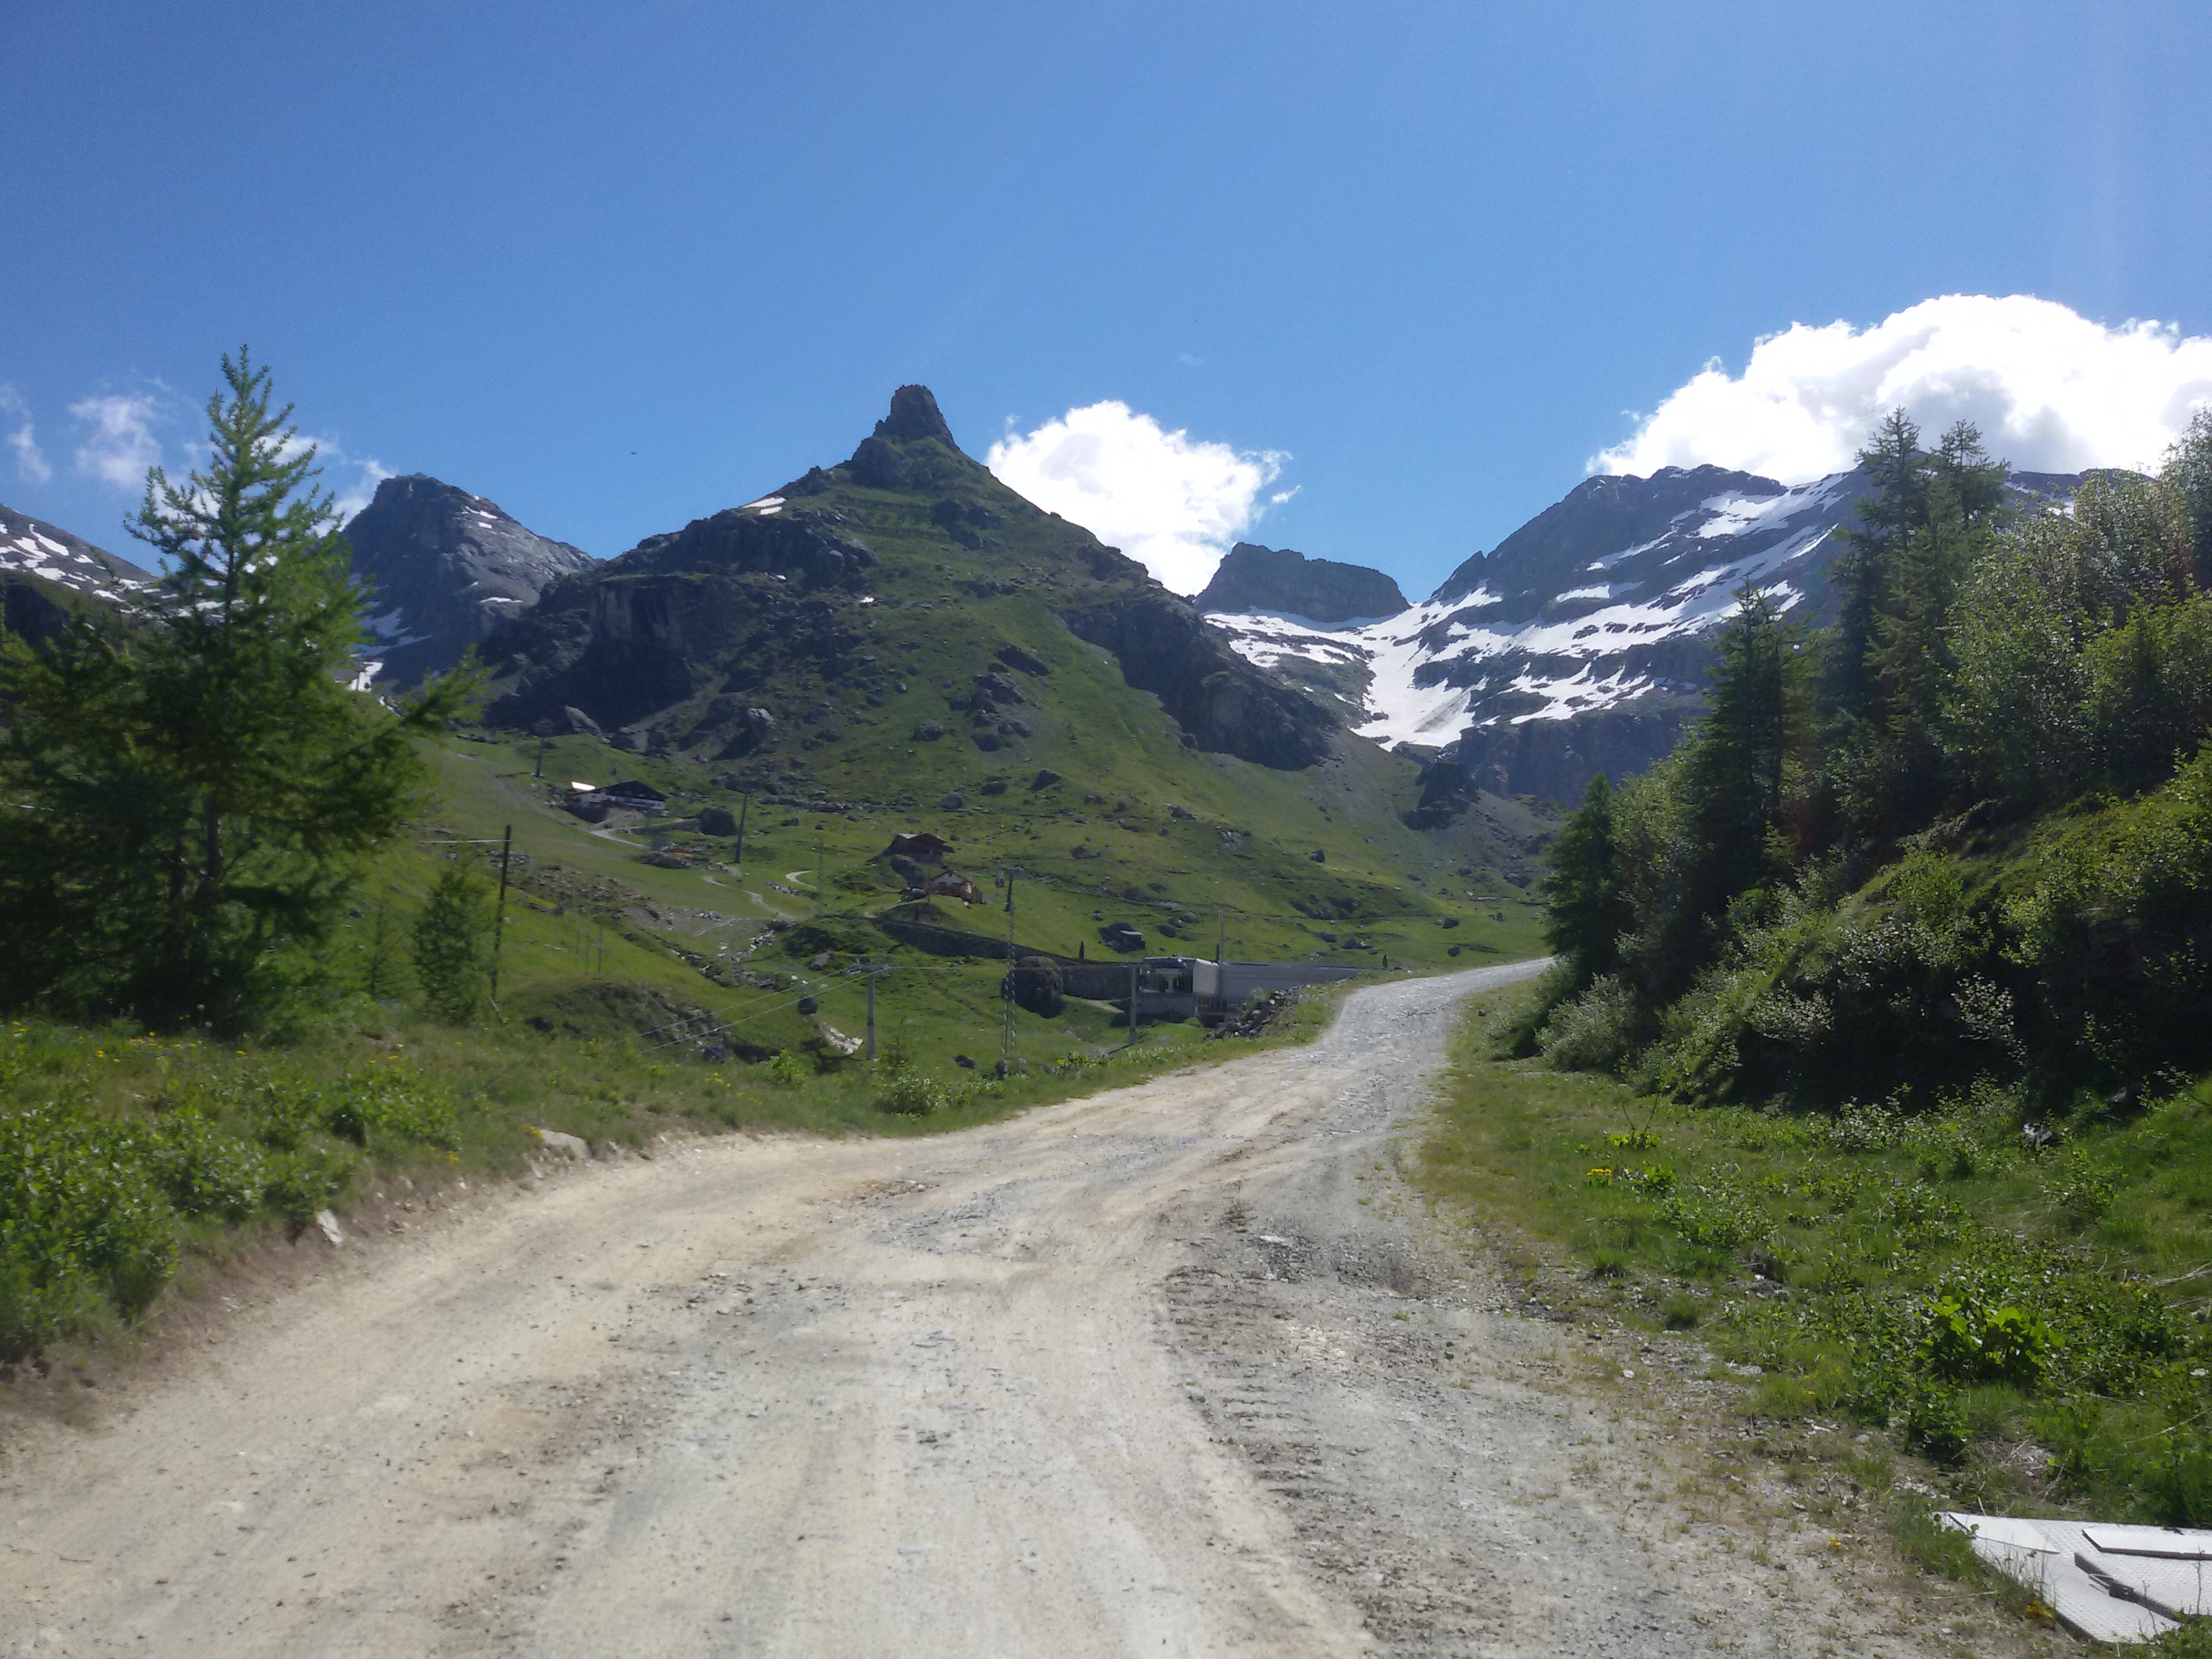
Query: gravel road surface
[{"x": 1171, "y": 1371}]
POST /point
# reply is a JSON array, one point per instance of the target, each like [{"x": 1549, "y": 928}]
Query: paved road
[{"x": 1152, "y": 1373}]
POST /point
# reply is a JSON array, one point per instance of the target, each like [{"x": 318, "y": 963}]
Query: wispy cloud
[
  {"x": 2051, "y": 390},
  {"x": 121, "y": 445},
  {"x": 1169, "y": 501},
  {"x": 351, "y": 479},
  {"x": 31, "y": 464}
]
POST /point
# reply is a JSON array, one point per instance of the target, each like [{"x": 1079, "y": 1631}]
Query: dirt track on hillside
[{"x": 1170, "y": 1370}]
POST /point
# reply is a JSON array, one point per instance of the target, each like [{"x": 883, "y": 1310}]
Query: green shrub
[
  {"x": 1592, "y": 1032},
  {"x": 299, "y": 1183},
  {"x": 1969, "y": 1341},
  {"x": 202, "y": 1171},
  {"x": 2081, "y": 1188},
  {"x": 81, "y": 1223},
  {"x": 909, "y": 1091},
  {"x": 1715, "y": 1217},
  {"x": 398, "y": 1108},
  {"x": 1932, "y": 1422}
]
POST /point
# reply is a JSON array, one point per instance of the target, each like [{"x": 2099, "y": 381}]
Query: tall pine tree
[
  {"x": 189, "y": 792},
  {"x": 1586, "y": 912}
]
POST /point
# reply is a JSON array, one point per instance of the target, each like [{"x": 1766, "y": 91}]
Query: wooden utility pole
[
  {"x": 542, "y": 741},
  {"x": 499, "y": 910},
  {"x": 1007, "y": 1027}
]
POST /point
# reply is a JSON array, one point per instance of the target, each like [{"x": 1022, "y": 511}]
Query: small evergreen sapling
[{"x": 452, "y": 946}]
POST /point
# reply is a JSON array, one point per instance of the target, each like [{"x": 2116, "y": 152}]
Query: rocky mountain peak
[
  {"x": 915, "y": 415},
  {"x": 1282, "y": 581},
  {"x": 444, "y": 567}
]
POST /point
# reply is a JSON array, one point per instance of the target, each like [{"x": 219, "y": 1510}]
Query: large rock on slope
[
  {"x": 1286, "y": 583},
  {"x": 446, "y": 568}
]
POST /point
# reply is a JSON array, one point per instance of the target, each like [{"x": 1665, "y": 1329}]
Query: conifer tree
[
  {"x": 452, "y": 946},
  {"x": 1586, "y": 912},
  {"x": 1740, "y": 767},
  {"x": 1897, "y": 471},
  {"x": 190, "y": 790}
]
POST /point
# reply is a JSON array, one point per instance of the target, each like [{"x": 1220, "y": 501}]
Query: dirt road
[{"x": 1156, "y": 1372}]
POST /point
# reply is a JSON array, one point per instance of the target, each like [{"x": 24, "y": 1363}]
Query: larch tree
[{"x": 191, "y": 788}]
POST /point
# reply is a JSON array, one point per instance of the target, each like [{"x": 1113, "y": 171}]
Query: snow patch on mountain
[
  {"x": 1531, "y": 638},
  {"x": 30, "y": 547}
]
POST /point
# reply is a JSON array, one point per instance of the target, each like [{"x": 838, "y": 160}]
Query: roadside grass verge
[
  {"x": 2020, "y": 1308},
  {"x": 125, "y": 1155}
]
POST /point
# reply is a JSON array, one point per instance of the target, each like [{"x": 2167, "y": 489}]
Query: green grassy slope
[{"x": 663, "y": 927}]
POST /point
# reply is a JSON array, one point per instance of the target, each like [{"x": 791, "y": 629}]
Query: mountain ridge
[
  {"x": 46, "y": 573},
  {"x": 667, "y": 642}
]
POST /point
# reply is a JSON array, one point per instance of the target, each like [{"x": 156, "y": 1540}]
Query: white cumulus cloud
[
  {"x": 1169, "y": 501},
  {"x": 2051, "y": 391},
  {"x": 30, "y": 462},
  {"x": 121, "y": 445}
]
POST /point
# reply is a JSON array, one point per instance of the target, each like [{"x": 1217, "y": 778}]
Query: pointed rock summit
[{"x": 915, "y": 415}]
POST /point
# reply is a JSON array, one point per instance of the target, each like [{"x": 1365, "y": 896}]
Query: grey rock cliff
[
  {"x": 1287, "y": 583},
  {"x": 444, "y": 567}
]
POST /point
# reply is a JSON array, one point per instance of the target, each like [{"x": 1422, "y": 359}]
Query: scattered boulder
[
  {"x": 809, "y": 1005},
  {"x": 1448, "y": 922},
  {"x": 329, "y": 1224},
  {"x": 1320, "y": 857},
  {"x": 950, "y": 801},
  {"x": 581, "y": 724},
  {"x": 988, "y": 742},
  {"x": 1120, "y": 936},
  {"x": 1045, "y": 779},
  {"x": 1184, "y": 813},
  {"x": 994, "y": 786},
  {"x": 563, "y": 1145},
  {"x": 1035, "y": 984},
  {"x": 964, "y": 1063},
  {"x": 717, "y": 821},
  {"x": 1014, "y": 657},
  {"x": 928, "y": 731}
]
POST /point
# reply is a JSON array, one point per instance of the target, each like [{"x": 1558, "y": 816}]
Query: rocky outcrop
[
  {"x": 1555, "y": 759},
  {"x": 443, "y": 569},
  {"x": 1283, "y": 582},
  {"x": 1222, "y": 701}
]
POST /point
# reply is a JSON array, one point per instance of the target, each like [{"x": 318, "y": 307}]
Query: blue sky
[{"x": 617, "y": 267}]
